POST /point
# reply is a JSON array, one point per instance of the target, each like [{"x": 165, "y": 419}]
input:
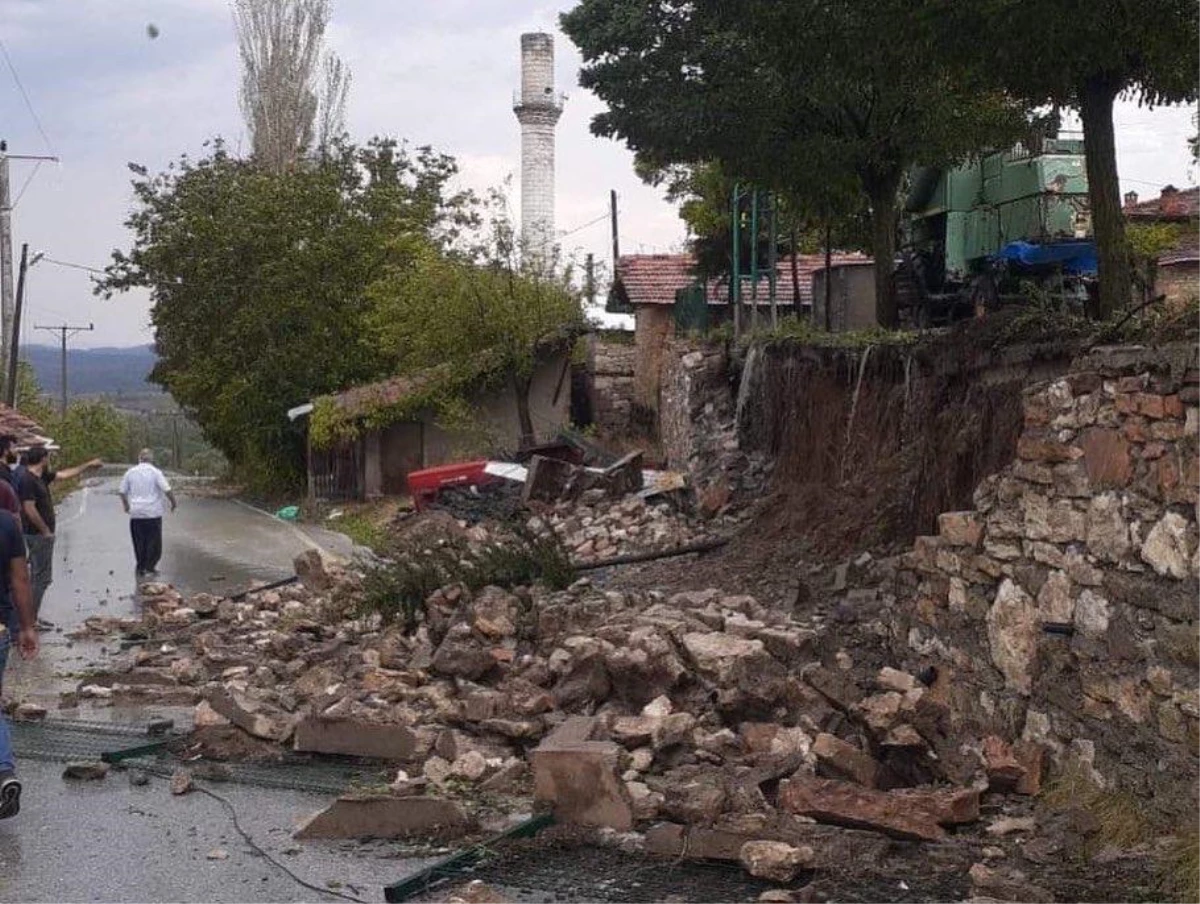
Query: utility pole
[
  {"x": 64, "y": 331},
  {"x": 589, "y": 285},
  {"x": 10, "y": 374},
  {"x": 6, "y": 255},
  {"x": 612, "y": 204}
]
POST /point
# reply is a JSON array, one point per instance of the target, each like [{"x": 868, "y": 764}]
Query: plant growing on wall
[{"x": 488, "y": 315}]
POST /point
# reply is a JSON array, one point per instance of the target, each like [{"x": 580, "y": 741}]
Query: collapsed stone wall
[
  {"x": 698, "y": 425},
  {"x": 1062, "y": 609},
  {"x": 612, "y": 394}
]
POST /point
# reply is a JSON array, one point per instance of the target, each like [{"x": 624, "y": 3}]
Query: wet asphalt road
[{"x": 108, "y": 840}]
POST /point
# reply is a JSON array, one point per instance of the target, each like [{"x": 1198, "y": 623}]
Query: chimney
[
  {"x": 1131, "y": 198},
  {"x": 538, "y": 107}
]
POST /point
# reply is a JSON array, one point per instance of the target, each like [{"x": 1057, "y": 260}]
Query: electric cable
[
  {"x": 25, "y": 184},
  {"x": 603, "y": 216},
  {"x": 24, "y": 94},
  {"x": 254, "y": 845}
]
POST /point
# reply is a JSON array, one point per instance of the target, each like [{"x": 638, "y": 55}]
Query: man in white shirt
[{"x": 144, "y": 494}]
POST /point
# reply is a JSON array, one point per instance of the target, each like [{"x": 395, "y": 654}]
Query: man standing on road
[
  {"x": 17, "y": 627},
  {"x": 37, "y": 517},
  {"x": 145, "y": 494},
  {"x": 8, "y": 460}
]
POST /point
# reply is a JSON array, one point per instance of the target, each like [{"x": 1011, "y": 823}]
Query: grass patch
[
  {"x": 397, "y": 590},
  {"x": 1121, "y": 818},
  {"x": 1181, "y": 867},
  {"x": 362, "y": 529}
]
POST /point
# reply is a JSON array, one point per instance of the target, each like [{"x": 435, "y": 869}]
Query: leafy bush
[{"x": 396, "y": 591}]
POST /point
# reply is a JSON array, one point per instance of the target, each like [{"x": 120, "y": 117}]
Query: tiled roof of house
[
  {"x": 27, "y": 431},
  {"x": 655, "y": 278},
  {"x": 359, "y": 400},
  {"x": 1186, "y": 251},
  {"x": 1171, "y": 204}
]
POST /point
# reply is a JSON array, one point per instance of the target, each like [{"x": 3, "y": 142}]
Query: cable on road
[{"x": 266, "y": 856}]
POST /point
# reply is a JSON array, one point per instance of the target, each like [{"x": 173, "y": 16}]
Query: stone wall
[
  {"x": 611, "y": 390},
  {"x": 1178, "y": 282},
  {"x": 1062, "y": 609},
  {"x": 655, "y": 326},
  {"x": 698, "y": 425}
]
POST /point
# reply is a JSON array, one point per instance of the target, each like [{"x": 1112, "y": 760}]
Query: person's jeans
[
  {"x": 8, "y": 642},
  {"x": 41, "y": 567},
  {"x": 147, "y": 542}
]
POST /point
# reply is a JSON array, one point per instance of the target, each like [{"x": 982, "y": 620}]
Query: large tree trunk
[
  {"x": 1108, "y": 222},
  {"x": 521, "y": 390},
  {"x": 882, "y": 189}
]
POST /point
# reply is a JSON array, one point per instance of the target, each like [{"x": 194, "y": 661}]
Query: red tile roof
[
  {"x": 655, "y": 278},
  {"x": 1172, "y": 204},
  {"x": 27, "y": 431}
]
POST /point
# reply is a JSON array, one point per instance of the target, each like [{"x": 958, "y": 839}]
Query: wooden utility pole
[
  {"x": 64, "y": 331},
  {"x": 10, "y": 373},
  {"x": 6, "y": 254}
]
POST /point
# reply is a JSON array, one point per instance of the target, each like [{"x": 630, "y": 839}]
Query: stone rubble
[{"x": 702, "y": 710}]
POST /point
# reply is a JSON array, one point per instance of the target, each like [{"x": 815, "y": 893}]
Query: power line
[
  {"x": 24, "y": 94},
  {"x": 25, "y": 184},
  {"x": 59, "y": 263},
  {"x": 603, "y": 216}
]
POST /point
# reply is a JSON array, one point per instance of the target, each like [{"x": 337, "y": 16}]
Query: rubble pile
[
  {"x": 597, "y": 528},
  {"x": 696, "y": 712},
  {"x": 1062, "y": 608}
]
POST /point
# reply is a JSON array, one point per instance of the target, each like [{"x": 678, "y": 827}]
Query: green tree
[
  {"x": 89, "y": 429},
  {"x": 1085, "y": 56},
  {"x": 258, "y": 282},
  {"x": 797, "y": 96},
  {"x": 492, "y": 320}
]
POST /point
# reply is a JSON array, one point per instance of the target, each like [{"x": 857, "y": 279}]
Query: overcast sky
[{"x": 439, "y": 73}]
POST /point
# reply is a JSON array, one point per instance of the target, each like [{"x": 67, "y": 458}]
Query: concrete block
[
  {"x": 355, "y": 737},
  {"x": 382, "y": 816},
  {"x": 580, "y": 777}
]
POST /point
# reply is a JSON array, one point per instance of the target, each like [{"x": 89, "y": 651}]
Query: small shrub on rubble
[{"x": 396, "y": 591}]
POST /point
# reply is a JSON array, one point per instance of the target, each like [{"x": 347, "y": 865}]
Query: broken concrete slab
[
  {"x": 580, "y": 777},
  {"x": 831, "y": 846},
  {"x": 355, "y": 737},
  {"x": 384, "y": 816}
]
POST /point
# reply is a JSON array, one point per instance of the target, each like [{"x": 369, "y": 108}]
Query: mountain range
[{"x": 93, "y": 371}]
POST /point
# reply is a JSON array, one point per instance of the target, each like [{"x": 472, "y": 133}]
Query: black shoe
[{"x": 10, "y": 795}]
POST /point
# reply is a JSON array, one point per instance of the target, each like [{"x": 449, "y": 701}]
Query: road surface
[{"x": 109, "y": 840}]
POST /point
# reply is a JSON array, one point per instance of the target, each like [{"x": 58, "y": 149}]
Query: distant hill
[{"x": 94, "y": 371}]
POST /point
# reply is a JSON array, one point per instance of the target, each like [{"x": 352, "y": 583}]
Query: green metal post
[
  {"x": 735, "y": 299},
  {"x": 772, "y": 261},
  {"x": 754, "y": 260}
]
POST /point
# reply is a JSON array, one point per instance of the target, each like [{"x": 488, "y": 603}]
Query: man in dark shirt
[
  {"x": 17, "y": 628},
  {"x": 37, "y": 518},
  {"x": 8, "y": 460}
]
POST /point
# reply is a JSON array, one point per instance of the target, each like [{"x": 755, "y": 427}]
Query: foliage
[
  {"x": 1065, "y": 54},
  {"x": 290, "y": 99},
  {"x": 90, "y": 428},
  {"x": 397, "y": 590},
  {"x": 704, "y": 194},
  {"x": 493, "y": 320},
  {"x": 803, "y": 97},
  {"x": 258, "y": 282}
]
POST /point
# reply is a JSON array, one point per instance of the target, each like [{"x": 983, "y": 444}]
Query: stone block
[
  {"x": 774, "y": 860},
  {"x": 252, "y": 716},
  {"x": 961, "y": 528},
  {"x": 846, "y": 804},
  {"x": 841, "y": 759},
  {"x": 1106, "y": 457},
  {"x": 580, "y": 777},
  {"x": 355, "y": 737},
  {"x": 384, "y": 816}
]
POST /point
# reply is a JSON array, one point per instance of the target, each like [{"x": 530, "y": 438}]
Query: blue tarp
[{"x": 1078, "y": 258}]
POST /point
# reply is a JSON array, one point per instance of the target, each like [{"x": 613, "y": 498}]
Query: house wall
[
  {"x": 1179, "y": 282},
  {"x": 413, "y": 445},
  {"x": 654, "y": 325},
  {"x": 611, "y": 391}
]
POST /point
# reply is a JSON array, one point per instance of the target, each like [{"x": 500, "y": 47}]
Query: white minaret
[{"x": 538, "y": 107}]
